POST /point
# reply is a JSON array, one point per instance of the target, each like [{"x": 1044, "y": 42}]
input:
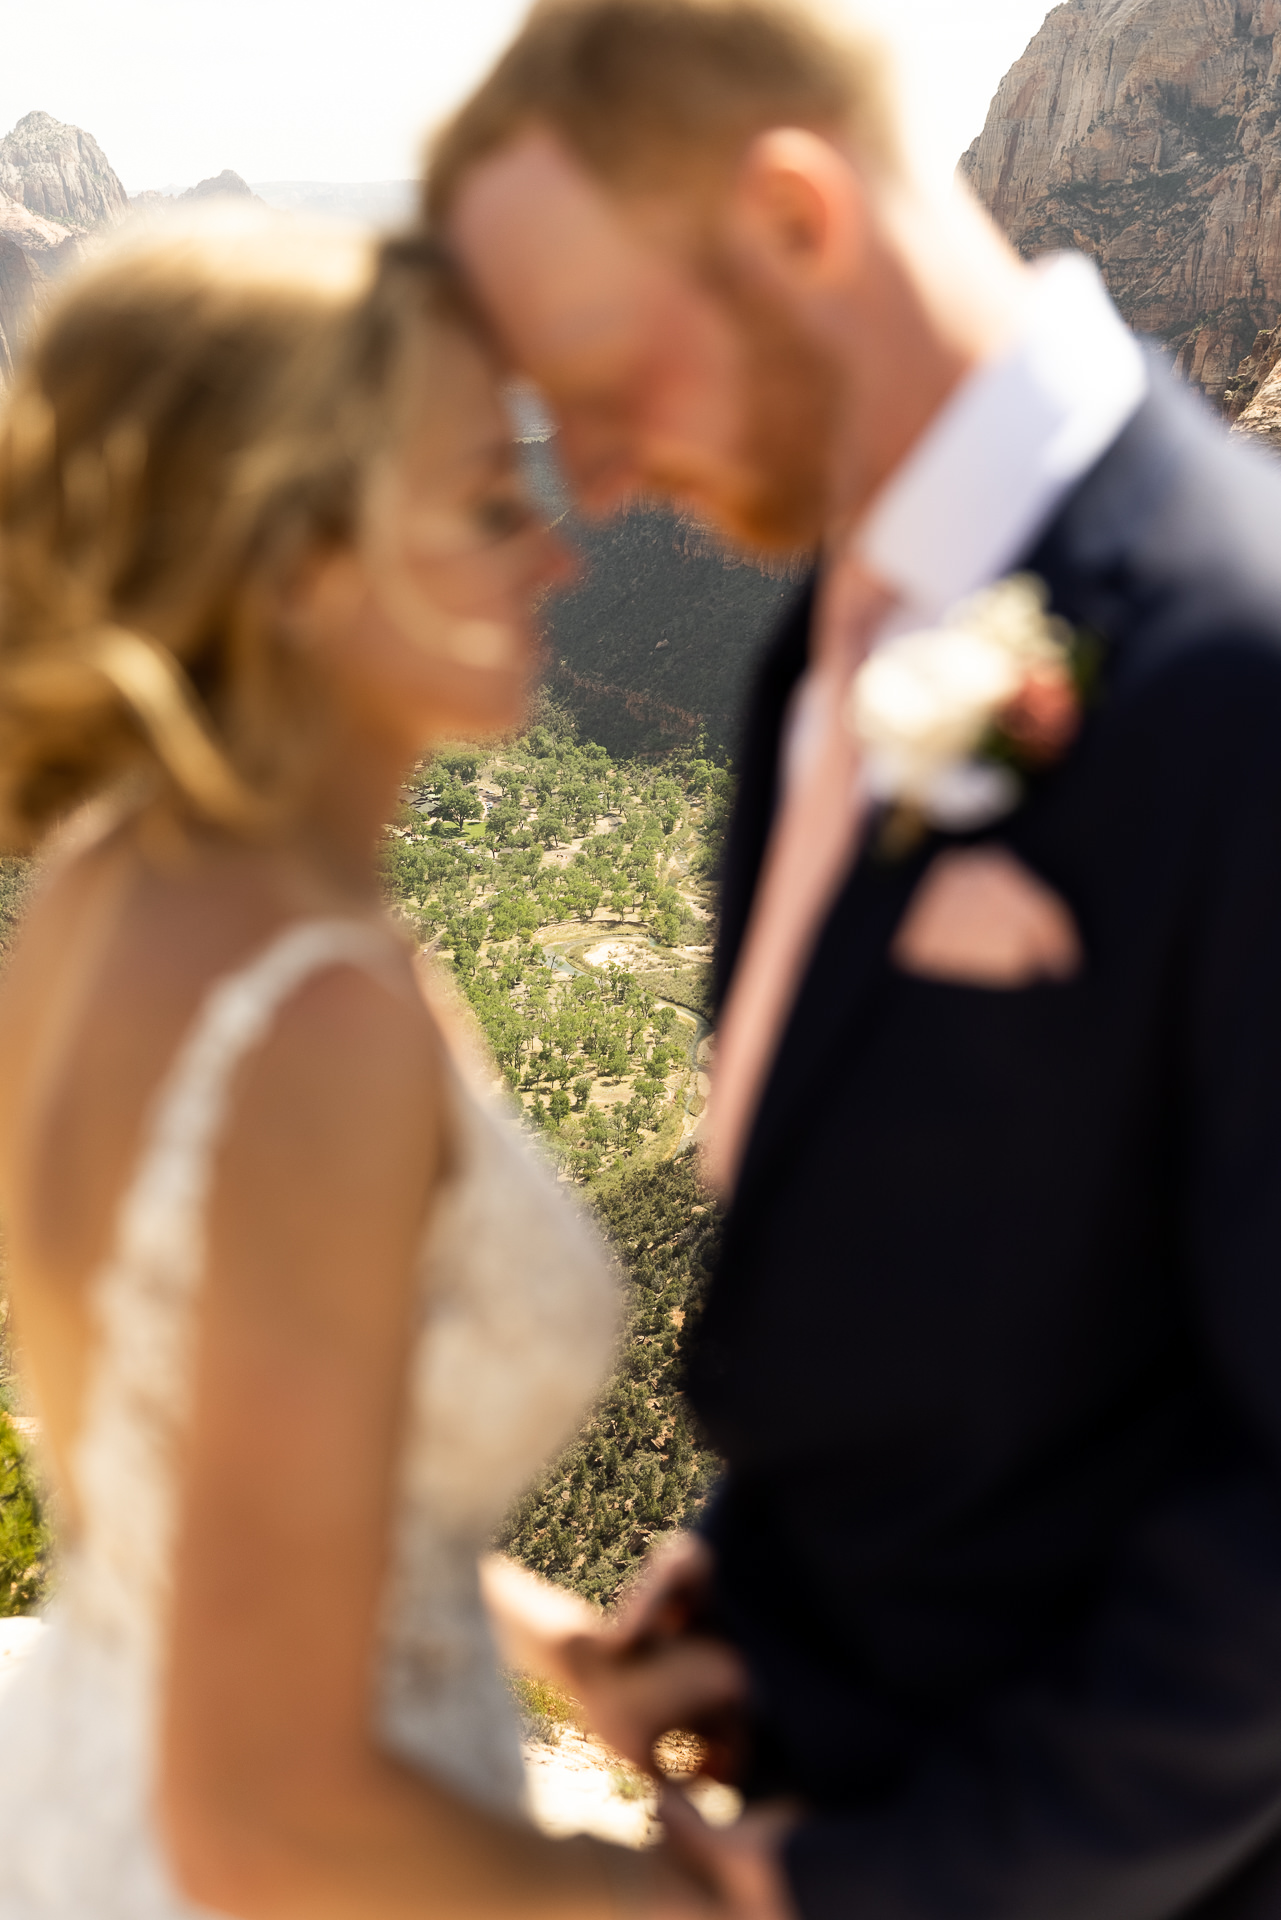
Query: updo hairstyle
[{"x": 188, "y": 425}]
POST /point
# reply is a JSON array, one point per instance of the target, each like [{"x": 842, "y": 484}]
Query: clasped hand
[{"x": 656, "y": 1667}]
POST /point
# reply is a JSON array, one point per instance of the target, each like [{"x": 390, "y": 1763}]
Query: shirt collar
[{"x": 995, "y": 464}]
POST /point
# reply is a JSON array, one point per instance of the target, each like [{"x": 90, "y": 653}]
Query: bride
[{"x": 301, "y": 1314}]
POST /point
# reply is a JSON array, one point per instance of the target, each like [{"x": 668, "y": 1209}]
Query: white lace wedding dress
[{"x": 515, "y": 1323}]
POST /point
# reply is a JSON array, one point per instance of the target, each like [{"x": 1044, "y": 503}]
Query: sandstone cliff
[
  {"x": 34, "y": 235},
  {"x": 1148, "y": 134},
  {"x": 17, "y": 292},
  {"x": 1253, "y": 398},
  {"x": 61, "y": 174},
  {"x": 56, "y": 189}
]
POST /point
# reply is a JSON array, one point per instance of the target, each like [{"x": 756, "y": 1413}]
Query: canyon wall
[
  {"x": 1147, "y": 133},
  {"x": 17, "y": 288}
]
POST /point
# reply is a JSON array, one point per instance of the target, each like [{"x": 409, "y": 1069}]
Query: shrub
[
  {"x": 24, "y": 1537},
  {"x": 544, "y": 1710}
]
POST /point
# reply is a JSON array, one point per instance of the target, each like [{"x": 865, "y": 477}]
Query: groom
[{"x": 994, "y": 1350}]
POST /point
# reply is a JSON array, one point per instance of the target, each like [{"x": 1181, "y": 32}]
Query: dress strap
[
  {"x": 142, "y": 1299},
  {"x": 165, "y": 1199}
]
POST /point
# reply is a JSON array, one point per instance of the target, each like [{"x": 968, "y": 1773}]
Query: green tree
[
  {"x": 458, "y": 802},
  {"x": 505, "y": 915},
  {"x": 503, "y": 822},
  {"x": 582, "y": 895},
  {"x": 505, "y": 1032},
  {"x": 454, "y": 763},
  {"x": 671, "y": 918},
  {"x": 550, "y": 826},
  {"x": 24, "y": 1538}
]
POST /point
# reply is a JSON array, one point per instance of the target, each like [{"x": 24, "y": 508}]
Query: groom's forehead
[{"x": 556, "y": 258}]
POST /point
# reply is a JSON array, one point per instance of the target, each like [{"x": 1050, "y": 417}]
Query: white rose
[{"x": 924, "y": 701}]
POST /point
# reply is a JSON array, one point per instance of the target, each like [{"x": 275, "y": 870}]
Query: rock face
[
  {"x": 657, "y": 639},
  {"x": 17, "y": 296},
  {"x": 61, "y": 174},
  {"x": 1253, "y": 400},
  {"x": 1262, "y": 418},
  {"x": 1147, "y": 133},
  {"x": 34, "y": 235}
]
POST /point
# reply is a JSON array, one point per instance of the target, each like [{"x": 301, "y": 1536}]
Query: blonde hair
[
  {"x": 654, "y": 92},
  {"x": 187, "y": 424}
]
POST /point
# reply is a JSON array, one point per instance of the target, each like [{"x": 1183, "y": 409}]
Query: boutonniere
[{"x": 950, "y": 718}]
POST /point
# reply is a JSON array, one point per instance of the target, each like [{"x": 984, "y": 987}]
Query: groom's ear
[{"x": 798, "y": 210}]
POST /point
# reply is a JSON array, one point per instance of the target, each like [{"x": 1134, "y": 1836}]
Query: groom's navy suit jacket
[{"x": 994, "y": 1348}]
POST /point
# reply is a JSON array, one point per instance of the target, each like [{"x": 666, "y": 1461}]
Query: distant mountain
[
  {"x": 60, "y": 174},
  {"x": 226, "y": 185},
  {"x": 363, "y": 203},
  {"x": 223, "y": 186},
  {"x": 367, "y": 203},
  {"x": 1146, "y": 134}
]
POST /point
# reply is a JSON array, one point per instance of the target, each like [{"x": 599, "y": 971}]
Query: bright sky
[{"x": 324, "y": 90}]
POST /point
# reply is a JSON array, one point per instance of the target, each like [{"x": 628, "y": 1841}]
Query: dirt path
[{"x": 577, "y": 1786}]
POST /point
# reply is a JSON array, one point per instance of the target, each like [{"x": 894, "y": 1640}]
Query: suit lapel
[
  {"x": 757, "y": 770},
  {"x": 835, "y": 991}
]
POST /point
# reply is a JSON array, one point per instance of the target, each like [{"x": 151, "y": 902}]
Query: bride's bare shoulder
[
  {"x": 116, "y": 956},
  {"x": 62, "y": 888}
]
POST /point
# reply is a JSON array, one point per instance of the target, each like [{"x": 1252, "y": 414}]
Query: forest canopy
[
  {"x": 568, "y": 895},
  {"x": 573, "y": 910}
]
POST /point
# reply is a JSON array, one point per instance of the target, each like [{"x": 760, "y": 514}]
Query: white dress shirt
[{"x": 995, "y": 464}]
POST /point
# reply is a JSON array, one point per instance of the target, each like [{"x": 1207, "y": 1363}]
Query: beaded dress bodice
[{"x": 515, "y": 1321}]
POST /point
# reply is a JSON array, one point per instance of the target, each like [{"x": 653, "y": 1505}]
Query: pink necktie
[{"x": 811, "y": 848}]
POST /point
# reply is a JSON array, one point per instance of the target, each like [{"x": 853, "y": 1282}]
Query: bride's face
[{"x": 427, "y": 626}]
